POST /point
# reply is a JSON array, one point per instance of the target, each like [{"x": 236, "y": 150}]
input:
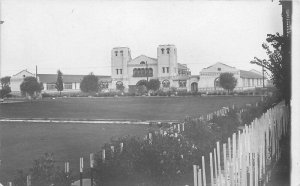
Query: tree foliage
[
  {"x": 44, "y": 173},
  {"x": 5, "y": 88},
  {"x": 59, "y": 85},
  {"x": 153, "y": 84},
  {"x": 278, "y": 49},
  {"x": 89, "y": 83},
  {"x": 30, "y": 85},
  {"x": 227, "y": 81},
  {"x": 120, "y": 87}
]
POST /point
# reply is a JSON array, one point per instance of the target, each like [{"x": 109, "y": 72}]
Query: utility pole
[
  {"x": 36, "y": 76},
  {"x": 263, "y": 74},
  {"x": 1, "y": 22},
  {"x": 147, "y": 70}
]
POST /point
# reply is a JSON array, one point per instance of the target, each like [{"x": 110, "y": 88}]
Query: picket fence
[{"x": 249, "y": 155}]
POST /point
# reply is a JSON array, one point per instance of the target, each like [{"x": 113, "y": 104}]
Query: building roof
[
  {"x": 218, "y": 63},
  {"x": 51, "y": 78},
  {"x": 248, "y": 74}
]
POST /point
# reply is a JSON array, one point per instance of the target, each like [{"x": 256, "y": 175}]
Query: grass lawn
[
  {"x": 21, "y": 143},
  {"x": 140, "y": 108}
]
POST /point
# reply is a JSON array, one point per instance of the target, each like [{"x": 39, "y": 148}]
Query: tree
[
  {"x": 59, "y": 85},
  {"x": 89, "y": 83},
  {"x": 120, "y": 87},
  {"x": 5, "y": 88},
  {"x": 142, "y": 86},
  {"x": 5, "y": 81},
  {"x": 227, "y": 81},
  {"x": 278, "y": 49},
  {"x": 153, "y": 84},
  {"x": 30, "y": 85}
]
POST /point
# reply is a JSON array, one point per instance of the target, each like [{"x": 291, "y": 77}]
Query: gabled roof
[
  {"x": 51, "y": 78},
  {"x": 24, "y": 71},
  {"x": 219, "y": 63},
  {"x": 248, "y": 74},
  {"x": 145, "y": 57}
]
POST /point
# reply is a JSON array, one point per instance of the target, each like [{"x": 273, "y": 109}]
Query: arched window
[
  {"x": 121, "y": 52},
  {"x": 168, "y": 50},
  {"x": 142, "y": 63},
  {"x": 150, "y": 72},
  {"x": 119, "y": 83},
  {"x": 162, "y": 51},
  {"x": 139, "y": 72},
  {"x": 116, "y": 53},
  {"x": 134, "y": 72},
  {"x": 143, "y": 73},
  {"x": 217, "y": 82},
  {"x": 166, "y": 83}
]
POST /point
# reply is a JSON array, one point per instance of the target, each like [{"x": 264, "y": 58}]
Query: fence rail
[{"x": 249, "y": 155}]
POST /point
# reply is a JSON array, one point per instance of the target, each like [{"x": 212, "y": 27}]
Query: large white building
[
  {"x": 165, "y": 68},
  {"x": 209, "y": 78}
]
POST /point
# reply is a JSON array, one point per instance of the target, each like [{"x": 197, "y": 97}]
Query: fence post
[
  {"x": 103, "y": 155},
  {"x": 216, "y": 170},
  {"x": 28, "y": 180},
  {"x": 92, "y": 161},
  {"x": 81, "y": 170},
  {"x": 195, "y": 175},
  {"x": 225, "y": 163},
  {"x": 211, "y": 169},
  {"x": 199, "y": 178},
  {"x": 219, "y": 162},
  {"x": 203, "y": 168}
]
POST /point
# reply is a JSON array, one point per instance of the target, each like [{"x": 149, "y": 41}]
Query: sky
[{"x": 76, "y": 36}]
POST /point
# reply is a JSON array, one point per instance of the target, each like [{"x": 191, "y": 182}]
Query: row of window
[
  {"x": 252, "y": 82},
  {"x": 165, "y": 69},
  {"x": 142, "y": 72},
  {"x": 167, "y": 50},
  {"x": 52, "y": 86},
  {"x": 119, "y": 71}
]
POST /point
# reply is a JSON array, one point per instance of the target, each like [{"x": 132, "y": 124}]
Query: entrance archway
[{"x": 194, "y": 87}]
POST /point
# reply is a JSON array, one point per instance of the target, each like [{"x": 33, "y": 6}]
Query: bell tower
[{"x": 167, "y": 60}]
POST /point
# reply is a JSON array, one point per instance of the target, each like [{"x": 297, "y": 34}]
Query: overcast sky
[{"x": 76, "y": 36}]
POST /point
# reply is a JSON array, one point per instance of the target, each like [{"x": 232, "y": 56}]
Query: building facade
[
  {"x": 165, "y": 68},
  {"x": 246, "y": 80}
]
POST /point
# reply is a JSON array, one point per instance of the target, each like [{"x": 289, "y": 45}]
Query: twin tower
[{"x": 164, "y": 66}]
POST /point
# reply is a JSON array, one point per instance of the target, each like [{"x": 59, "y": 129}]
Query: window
[
  {"x": 182, "y": 83},
  {"x": 117, "y": 71},
  {"x": 163, "y": 68},
  {"x": 103, "y": 85},
  {"x": 142, "y": 63},
  {"x": 50, "y": 86},
  {"x": 167, "y": 69},
  {"x": 168, "y": 50},
  {"x": 135, "y": 72},
  {"x": 252, "y": 82},
  {"x": 116, "y": 53},
  {"x": 120, "y": 71},
  {"x": 162, "y": 51},
  {"x": 121, "y": 52},
  {"x": 67, "y": 85},
  {"x": 166, "y": 83},
  {"x": 219, "y": 69}
]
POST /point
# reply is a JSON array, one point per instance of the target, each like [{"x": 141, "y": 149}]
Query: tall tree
[
  {"x": 278, "y": 49},
  {"x": 5, "y": 88},
  {"x": 5, "y": 81},
  {"x": 227, "y": 81},
  {"x": 153, "y": 84},
  {"x": 89, "y": 83},
  {"x": 30, "y": 85},
  {"x": 59, "y": 85}
]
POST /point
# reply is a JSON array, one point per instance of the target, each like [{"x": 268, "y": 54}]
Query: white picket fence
[{"x": 249, "y": 155}]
